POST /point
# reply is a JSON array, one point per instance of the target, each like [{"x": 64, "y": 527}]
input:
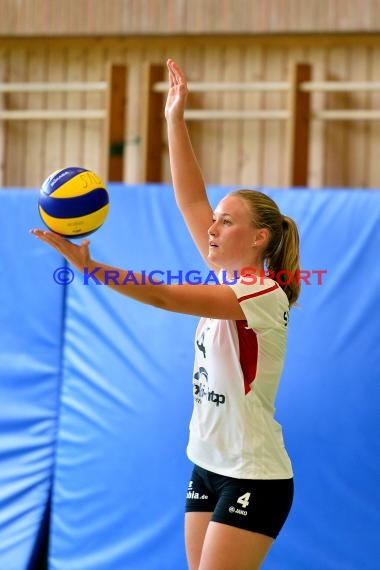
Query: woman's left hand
[
  {"x": 77, "y": 255},
  {"x": 177, "y": 95}
]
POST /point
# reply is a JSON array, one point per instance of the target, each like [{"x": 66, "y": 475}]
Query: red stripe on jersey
[
  {"x": 248, "y": 352},
  {"x": 275, "y": 286}
]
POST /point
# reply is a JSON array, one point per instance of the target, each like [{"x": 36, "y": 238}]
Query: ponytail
[
  {"x": 281, "y": 256},
  {"x": 285, "y": 262}
]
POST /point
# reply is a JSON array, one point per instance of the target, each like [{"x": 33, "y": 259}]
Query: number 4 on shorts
[{"x": 244, "y": 500}]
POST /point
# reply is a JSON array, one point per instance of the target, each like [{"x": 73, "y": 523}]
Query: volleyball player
[{"x": 241, "y": 489}]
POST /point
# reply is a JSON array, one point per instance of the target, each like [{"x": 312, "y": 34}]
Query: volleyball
[{"x": 73, "y": 202}]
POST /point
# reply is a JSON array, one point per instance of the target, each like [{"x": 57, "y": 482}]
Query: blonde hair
[{"x": 282, "y": 251}]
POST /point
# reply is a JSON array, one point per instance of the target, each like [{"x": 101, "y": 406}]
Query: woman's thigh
[
  {"x": 232, "y": 523},
  {"x": 196, "y": 524},
  {"x": 247, "y": 518},
  {"x": 230, "y": 548}
]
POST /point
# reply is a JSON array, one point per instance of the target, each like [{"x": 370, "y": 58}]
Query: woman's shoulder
[{"x": 256, "y": 285}]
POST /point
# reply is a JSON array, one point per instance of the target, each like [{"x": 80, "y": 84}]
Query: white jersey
[{"x": 237, "y": 369}]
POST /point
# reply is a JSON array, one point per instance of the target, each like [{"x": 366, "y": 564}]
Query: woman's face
[{"x": 232, "y": 235}]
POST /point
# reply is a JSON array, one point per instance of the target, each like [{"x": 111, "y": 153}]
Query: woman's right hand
[
  {"x": 77, "y": 255},
  {"x": 176, "y": 100}
]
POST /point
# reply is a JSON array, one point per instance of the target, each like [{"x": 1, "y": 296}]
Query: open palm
[
  {"x": 177, "y": 95},
  {"x": 77, "y": 255}
]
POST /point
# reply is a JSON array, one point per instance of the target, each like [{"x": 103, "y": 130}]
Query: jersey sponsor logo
[
  {"x": 201, "y": 342},
  {"x": 202, "y": 392},
  {"x": 201, "y": 347},
  {"x": 201, "y": 374},
  {"x": 195, "y": 495},
  {"x": 232, "y": 509},
  {"x": 191, "y": 494}
]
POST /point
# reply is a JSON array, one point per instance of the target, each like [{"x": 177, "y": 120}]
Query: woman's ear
[{"x": 261, "y": 237}]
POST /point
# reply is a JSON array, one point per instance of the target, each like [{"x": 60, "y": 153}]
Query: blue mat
[{"x": 96, "y": 395}]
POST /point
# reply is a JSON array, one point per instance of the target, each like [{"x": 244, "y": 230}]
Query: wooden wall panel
[
  {"x": 35, "y": 143},
  {"x": 161, "y": 153},
  {"x": 193, "y": 61},
  {"x": 336, "y": 132},
  {"x": 295, "y": 55},
  {"x": 53, "y": 150},
  {"x": 93, "y": 139},
  {"x": 358, "y": 135},
  {"x": 135, "y": 60},
  {"x": 252, "y": 149},
  {"x": 230, "y": 157},
  {"x": 207, "y": 136},
  {"x": 161, "y": 17},
  {"x": 274, "y": 134},
  {"x": 16, "y": 132},
  {"x": 233, "y": 153},
  {"x": 3, "y": 99},
  {"x": 374, "y": 127},
  {"x": 72, "y": 130},
  {"x": 317, "y": 57}
]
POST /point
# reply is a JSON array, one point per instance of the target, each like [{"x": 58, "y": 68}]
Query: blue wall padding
[
  {"x": 329, "y": 396},
  {"x": 121, "y": 471},
  {"x": 31, "y": 317}
]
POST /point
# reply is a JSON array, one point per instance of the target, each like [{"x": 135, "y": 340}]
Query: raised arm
[{"x": 187, "y": 177}]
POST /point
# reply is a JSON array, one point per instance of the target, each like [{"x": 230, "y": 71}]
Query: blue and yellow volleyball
[{"x": 73, "y": 202}]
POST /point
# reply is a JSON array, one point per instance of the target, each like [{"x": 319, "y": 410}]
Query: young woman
[{"x": 241, "y": 488}]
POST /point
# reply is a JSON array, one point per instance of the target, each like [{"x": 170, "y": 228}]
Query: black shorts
[{"x": 258, "y": 505}]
